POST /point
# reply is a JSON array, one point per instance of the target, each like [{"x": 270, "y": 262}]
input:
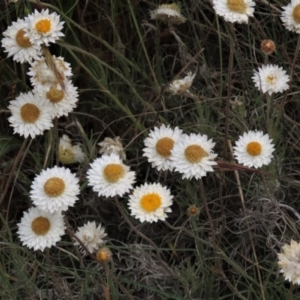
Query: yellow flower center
[
  {"x": 54, "y": 187},
  {"x": 194, "y": 153},
  {"x": 272, "y": 79},
  {"x": 54, "y": 95},
  {"x": 29, "y": 113},
  {"x": 113, "y": 172},
  {"x": 22, "y": 40},
  {"x": 151, "y": 202},
  {"x": 164, "y": 146},
  {"x": 296, "y": 13},
  {"x": 40, "y": 225},
  {"x": 254, "y": 148},
  {"x": 43, "y": 26},
  {"x": 238, "y": 6},
  {"x": 66, "y": 155}
]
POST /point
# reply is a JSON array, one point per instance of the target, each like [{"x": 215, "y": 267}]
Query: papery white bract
[
  {"x": 192, "y": 155},
  {"x": 18, "y": 45},
  {"x": 44, "y": 28},
  {"x": 91, "y": 236},
  {"x": 254, "y": 149},
  {"x": 109, "y": 176},
  {"x": 39, "y": 229},
  {"x": 234, "y": 11},
  {"x": 31, "y": 115},
  {"x": 159, "y": 145},
  {"x": 150, "y": 202},
  {"x": 289, "y": 262},
  {"x": 55, "y": 189}
]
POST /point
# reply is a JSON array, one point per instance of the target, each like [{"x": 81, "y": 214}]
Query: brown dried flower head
[{"x": 267, "y": 47}]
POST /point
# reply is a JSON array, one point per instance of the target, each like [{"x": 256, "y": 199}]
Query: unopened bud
[{"x": 267, "y": 47}]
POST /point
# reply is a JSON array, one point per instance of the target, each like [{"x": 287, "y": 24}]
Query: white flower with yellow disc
[
  {"x": 31, "y": 115},
  {"x": 18, "y": 45},
  {"x": 192, "y": 156},
  {"x": 234, "y": 11},
  {"x": 159, "y": 145},
  {"x": 44, "y": 28},
  {"x": 54, "y": 189},
  {"x": 150, "y": 202},
  {"x": 254, "y": 149},
  {"x": 39, "y": 229},
  {"x": 62, "y": 101},
  {"x": 109, "y": 177},
  {"x": 291, "y": 16}
]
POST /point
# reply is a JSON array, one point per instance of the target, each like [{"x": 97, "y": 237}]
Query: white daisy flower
[
  {"x": 39, "y": 229},
  {"x": 289, "y": 262},
  {"x": 91, "y": 236},
  {"x": 109, "y": 145},
  {"x": 31, "y": 115},
  {"x": 69, "y": 154},
  {"x": 43, "y": 77},
  {"x": 18, "y": 45},
  {"x": 44, "y": 28},
  {"x": 234, "y": 11},
  {"x": 109, "y": 176},
  {"x": 192, "y": 155},
  {"x": 150, "y": 202},
  {"x": 54, "y": 189},
  {"x": 254, "y": 149},
  {"x": 271, "y": 79},
  {"x": 291, "y": 16},
  {"x": 168, "y": 13},
  {"x": 180, "y": 86},
  {"x": 159, "y": 145},
  {"x": 62, "y": 101}
]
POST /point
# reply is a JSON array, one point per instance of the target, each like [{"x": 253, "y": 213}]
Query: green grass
[{"x": 122, "y": 62}]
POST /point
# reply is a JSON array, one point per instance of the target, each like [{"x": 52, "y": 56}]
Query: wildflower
[
  {"x": 31, "y": 115},
  {"x": 180, "y": 86},
  {"x": 193, "y": 211},
  {"x": 234, "y": 10},
  {"x": 39, "y": 229},
  {"x": 18, "y": 45},
  {"x": 54, "y": 189},
  {"x": 109, "y": 176},
  {"x": 44, "y": 77},
  {"x": 62, "y": 101},
  {"x": 44, "y": 28},
  {"x": 109, "y": 145},
  {"x": 69, "y": 154},
  {"x": 271, "y": 79},
  {"x": 192, "y": 156},
  {"x": 150, "y": 202},
  {"x": 91, "y": 236},
  {"x": 104, "y": 255},
  {"x": 159, "y": 145},
  {"x": 254, "y": 149},
  {"x": 168, "y": 13},
  {"x": 267, "y": 47},
  {"x": 289, "y": 262},
  {"x": 291, "y": 16}
]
